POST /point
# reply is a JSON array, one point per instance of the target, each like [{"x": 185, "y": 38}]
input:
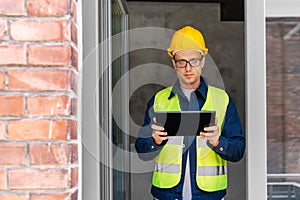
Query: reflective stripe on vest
[
  {"x": 167, "y": 168},
  {"x": 211, "y": 168}
]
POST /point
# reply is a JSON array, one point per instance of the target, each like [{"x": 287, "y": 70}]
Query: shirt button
[
  {"x": 152, "y": 147},
  {"x": 221, "y": 149}
]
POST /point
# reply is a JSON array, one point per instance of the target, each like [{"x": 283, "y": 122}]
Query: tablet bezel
[{"x": 187, "y": 120}]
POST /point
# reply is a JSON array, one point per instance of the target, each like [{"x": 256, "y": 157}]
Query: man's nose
[{"x": 188, "y": 67}]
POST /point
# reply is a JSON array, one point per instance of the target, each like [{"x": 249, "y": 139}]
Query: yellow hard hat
[{"x": 187, "y": 38}]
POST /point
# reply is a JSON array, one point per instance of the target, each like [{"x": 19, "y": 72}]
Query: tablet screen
[{"x": 185, "y": 123}]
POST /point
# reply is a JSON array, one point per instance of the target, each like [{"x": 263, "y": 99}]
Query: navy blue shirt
[{"x": 231, "y": 146}]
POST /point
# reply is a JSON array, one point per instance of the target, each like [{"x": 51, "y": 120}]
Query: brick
[
  {"x": 73, "y": 11},
  {"x": 292, "y": 154},
  {"x": 37, "y": 130},
  {"x": 292, "y": 127},
  {"x": 74, "y": 82},
  {"x": 74, "y": 177},
  {"x": 38, "y": 179},
  {"x": 12, "y": 154},
  {"x": 50, "y": 154},
  {"x": 74, "y": 58},
  {"x": 9, "y": 7},
  {"x": 3, "y": 28},
  {"x": 3, "y": 182},
  {"x": 11, "y": 105},
  {"x": 49, "y": 55},
  {"x": 12, "y": 197},
  {"x": 74, "y": 156},
  {"x": 12, "y": 54},
  {"x": 276, "y": 131},
  {"x": 57, "y": 196},
  {"x": 2, "y": 130},
  {"x": 33, "y": 30},
  {"x": 48, "y": 7},
  {"x": 275, "y": 159},
  {"x": 49, "y": 105},
  {"x": 38, "y": 80},
  {"x": 74, "y": 34},
  {"x": 73, "y": 130},
  {"x": 2, "y": 80},
  {"x": 74, "y": 195},
  {"x": 74, "y": 104}
]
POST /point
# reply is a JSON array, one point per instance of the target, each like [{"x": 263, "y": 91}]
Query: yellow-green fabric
[{"x": 211, "y": 168}]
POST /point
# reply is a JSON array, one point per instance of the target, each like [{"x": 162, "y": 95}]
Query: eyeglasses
[{"x": 182, "y": 63}]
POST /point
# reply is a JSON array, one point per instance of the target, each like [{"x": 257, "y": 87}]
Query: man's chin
[{"x": 189, "y": 83}]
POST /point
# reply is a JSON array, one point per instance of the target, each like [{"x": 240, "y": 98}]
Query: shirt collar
[{"x": 202, "y": 89}]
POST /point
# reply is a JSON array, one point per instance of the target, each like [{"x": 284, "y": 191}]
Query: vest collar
[{"x": 201, "y": 90}]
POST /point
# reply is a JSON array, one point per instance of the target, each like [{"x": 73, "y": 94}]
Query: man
[{"x": 191, "y": 167}]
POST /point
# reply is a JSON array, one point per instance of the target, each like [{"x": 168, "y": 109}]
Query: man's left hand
[{"x": 211, "y": 134}]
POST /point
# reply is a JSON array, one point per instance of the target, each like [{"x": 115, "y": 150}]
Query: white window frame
[
  {"x": 256, "y": 133},
  {"x": 282, "y": 8},
  {"x": 256, "y": 13}
]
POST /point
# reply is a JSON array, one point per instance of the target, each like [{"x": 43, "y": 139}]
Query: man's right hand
[{"x": 158, "y": 133}]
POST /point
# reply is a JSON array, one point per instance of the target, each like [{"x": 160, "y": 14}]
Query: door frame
[
  {"x": 256, "y": 132},
  {"x": 95, "y": 181}
]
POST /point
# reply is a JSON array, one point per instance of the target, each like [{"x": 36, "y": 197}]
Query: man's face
[{"x": 189, "y": 77}]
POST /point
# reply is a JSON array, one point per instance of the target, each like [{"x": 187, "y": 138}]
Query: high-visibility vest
[{"x": 211, "y": 172}]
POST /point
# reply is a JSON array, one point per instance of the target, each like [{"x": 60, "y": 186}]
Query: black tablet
[{"x": 185, "y": 123}]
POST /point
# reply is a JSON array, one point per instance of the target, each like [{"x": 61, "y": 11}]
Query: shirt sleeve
[
  {"x": 232, "y": 139},
  {"x": 144, "y": 145}
]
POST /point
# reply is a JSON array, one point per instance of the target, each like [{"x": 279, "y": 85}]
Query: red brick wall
[
  {"x": 38, "y": 99},
  {"x": 283, "y": 95}
]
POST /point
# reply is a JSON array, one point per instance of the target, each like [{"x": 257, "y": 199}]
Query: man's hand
[
  {"x": 211, "y": 134},
  {"x": 158, "y": 133}
]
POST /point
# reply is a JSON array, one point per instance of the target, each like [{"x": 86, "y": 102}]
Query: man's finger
[
  {"x": 161, "y": 133},
  {"x": 157, "y": 127},
  {"x": 154, "y": 120},
  {"x": 210, "y": 128}
]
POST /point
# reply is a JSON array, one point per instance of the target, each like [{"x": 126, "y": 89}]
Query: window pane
[
  {"x": 119, "y": 20},
  {"x": 283, "y": 98}
]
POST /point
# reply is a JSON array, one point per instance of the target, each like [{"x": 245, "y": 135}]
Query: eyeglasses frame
[{"x": 187, "y": 61}]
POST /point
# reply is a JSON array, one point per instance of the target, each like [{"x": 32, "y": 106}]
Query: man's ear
[
  {"x": 203, "y": 62},
  {"x": 173, "y": 63}
]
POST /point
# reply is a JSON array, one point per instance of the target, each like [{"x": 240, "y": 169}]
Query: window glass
[
  {"x": 283, "y": 98},
  {"x": 119, "y": 20}
]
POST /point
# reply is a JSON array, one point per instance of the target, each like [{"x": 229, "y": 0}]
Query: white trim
[
  {"x": 89, "y": 73},
  {"x": 295, "y": 184},
  {"x": 256, "y": 100},
  {"x": 284, "y": 175},
  {"x": 282, "y": 8}
]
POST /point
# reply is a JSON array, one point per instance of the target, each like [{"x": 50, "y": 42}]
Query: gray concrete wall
[{"x": 225, "y": 41}]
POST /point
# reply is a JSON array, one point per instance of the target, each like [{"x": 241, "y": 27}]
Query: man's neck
[{"x": 190, "y": 86}]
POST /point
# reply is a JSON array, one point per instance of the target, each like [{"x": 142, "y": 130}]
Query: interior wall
[{"x": 225, "y": 41}]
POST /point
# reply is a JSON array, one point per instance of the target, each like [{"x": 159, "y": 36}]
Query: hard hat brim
[{"x": 171, "y": 52}]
